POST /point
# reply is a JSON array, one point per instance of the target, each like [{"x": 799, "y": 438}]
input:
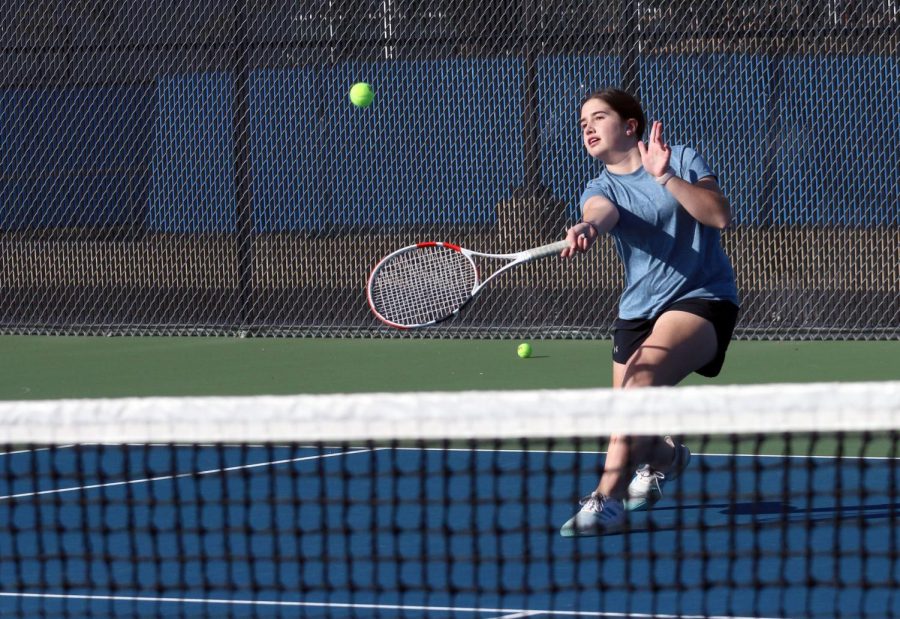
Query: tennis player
[{"x": 664, "y": 209}]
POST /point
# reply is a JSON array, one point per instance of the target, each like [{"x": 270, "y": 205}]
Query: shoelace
[
  {"x": 646, "y": 472},
  {"x": 592, "y": 503}
]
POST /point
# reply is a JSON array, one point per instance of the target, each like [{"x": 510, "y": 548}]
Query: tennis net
[{"x": 449, "y": 505}]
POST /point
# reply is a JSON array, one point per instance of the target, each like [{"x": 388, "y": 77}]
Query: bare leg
[{"x": 679, "y": 344}]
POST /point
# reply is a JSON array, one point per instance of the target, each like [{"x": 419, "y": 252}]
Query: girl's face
[{"x": 603, "y": 131}]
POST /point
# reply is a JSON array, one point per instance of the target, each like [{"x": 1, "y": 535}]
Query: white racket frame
[{"x": 514, "y": 259}]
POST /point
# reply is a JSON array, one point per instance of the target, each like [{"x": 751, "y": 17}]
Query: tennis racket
[{"x": 426, "y": 283}]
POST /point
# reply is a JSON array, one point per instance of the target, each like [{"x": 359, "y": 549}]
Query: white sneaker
[
  {"x": 599, "y": 515},
  {"x": 645, "y": 489}
]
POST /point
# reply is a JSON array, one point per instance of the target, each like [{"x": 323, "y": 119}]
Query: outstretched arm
[{"x": 600, "y": 216}]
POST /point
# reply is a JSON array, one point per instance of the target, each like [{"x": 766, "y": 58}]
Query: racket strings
[{"x": 422, "y": 285}]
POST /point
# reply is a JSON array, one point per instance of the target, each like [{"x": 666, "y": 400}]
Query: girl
[{"x": 664, "y": 209}]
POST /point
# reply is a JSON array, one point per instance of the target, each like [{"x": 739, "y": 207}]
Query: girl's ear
[{"x": 631, "y": 126}]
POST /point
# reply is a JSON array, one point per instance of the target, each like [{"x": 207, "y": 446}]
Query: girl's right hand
[{"x": 580, "y": 237}]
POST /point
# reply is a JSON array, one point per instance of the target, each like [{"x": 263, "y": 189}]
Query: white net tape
[{"x": 824, "y": 407}]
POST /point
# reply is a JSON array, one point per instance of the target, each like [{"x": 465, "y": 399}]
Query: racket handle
[{"x": 545, "y": 250}]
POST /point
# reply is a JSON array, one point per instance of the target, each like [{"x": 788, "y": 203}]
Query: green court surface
[{"x": 38, "y": 367}]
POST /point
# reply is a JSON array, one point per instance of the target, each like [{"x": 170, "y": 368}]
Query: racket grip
[{"x": 544, "y": 251}]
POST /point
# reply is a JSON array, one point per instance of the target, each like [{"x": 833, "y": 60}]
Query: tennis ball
[
  {"x": 524, "y": 350},
  {"x": 361, "y": 94}
]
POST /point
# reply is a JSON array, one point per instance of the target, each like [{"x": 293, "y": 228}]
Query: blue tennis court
[{"x": 272, "y": 531}]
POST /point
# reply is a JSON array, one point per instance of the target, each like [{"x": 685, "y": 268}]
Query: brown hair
[{"x": 624, "y": 104}]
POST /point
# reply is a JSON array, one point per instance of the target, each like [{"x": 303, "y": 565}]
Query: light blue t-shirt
[{"x": 668, "y": 255}]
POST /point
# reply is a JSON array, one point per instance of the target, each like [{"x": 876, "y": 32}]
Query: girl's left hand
[{"x": 655, "y": 155}]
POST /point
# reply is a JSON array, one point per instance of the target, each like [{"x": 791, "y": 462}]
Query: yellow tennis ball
[
  {"x": 361, "y": 94},
  {"x": 524, "y": 350}
]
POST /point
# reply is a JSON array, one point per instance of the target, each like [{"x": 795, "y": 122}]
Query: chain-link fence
[{"x": 195, "y": 167}]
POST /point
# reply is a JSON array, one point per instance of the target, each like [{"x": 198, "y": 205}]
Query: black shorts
[{"x": 630, "y": 334}]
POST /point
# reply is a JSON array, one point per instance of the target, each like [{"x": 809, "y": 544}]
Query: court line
[
  {"x": 506, "y": 613},
  {"x": 360, "y": 449},
  {"x": 24, "y": 451},
  {"x": 600, "y": 453},
  {"x": 181, "y": 475}
]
